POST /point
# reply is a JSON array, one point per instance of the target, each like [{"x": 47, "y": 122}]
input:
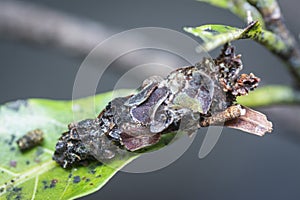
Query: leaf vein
[
  {"x": 35, "y": 187},
  {"x": 21, "y": 178},
  {"x": 65, "y": 189},
  {"x": 8, "y": 171}
]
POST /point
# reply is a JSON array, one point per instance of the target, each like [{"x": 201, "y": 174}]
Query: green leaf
[
  {"x": 214, "y": 35},
  {"x": 33, "y": 174},
  {"x": 239, "y": 8},
  {"x": 270, "y": 95}
]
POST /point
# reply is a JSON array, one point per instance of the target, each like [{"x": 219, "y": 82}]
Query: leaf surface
[
  {"x": 33, "y": 174},
  {"x": 215, "y": 35}
]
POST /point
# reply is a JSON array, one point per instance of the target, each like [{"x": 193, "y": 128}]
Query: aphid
[
  {"x": 188, "y": 98},
  {"x": 30, "y": 139}
]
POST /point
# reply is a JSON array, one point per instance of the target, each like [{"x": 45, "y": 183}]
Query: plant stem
[{"x": 270, "y": 11}]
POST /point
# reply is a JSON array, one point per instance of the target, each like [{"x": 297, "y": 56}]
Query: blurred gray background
[{"x": 241, "y": 166}]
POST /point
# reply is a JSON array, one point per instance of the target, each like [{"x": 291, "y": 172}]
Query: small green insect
[{"x": 30, "y": 140}]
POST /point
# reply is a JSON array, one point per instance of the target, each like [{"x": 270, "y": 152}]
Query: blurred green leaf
[{"x": 270, "y": 95}]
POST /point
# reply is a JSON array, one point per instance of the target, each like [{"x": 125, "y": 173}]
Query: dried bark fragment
[
  {"x": 30, "y": 140},
  {"x": 188, "y": 98},
  {"x": 233, "y": 84},
  {"x": 230, "y": 113},
  {"x": 252, "y": 121},
  {"x": 229, "y": 66},
  {"x": 244, "y": 84}
]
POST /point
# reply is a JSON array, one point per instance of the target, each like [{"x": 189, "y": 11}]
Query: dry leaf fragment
[{"x": 252, "y": 122}]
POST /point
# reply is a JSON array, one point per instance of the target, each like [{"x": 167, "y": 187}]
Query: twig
[
  {"x": 41, "y": 25},
  {"x": 214, "y": 35},
  {"x": 270, "y": 40},
  {"x": 74, "y": 36},
  {"x": 270, "y": 11}
]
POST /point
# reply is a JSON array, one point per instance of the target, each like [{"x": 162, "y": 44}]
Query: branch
[
  {"x": 75, "y": 36},
  {"x": 41, "y": 25},
  {"x": 277, "y": 38},
  {"x": 270, "y": 11},
  {"x": 270, "y": 95},
  {"x": 273, "y": 19},
  {"x": 215, "y": 35}
]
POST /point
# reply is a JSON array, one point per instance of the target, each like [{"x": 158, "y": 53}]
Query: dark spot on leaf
[
  {"x": 1, "y": 190},
  {"x": 27, "y": 162},
  {"x": 70, "y": 175},
  {"x": 53, "y": 183},
  {"x": 16, "y": 189},
  {"x": 91, "y": 183},
  {"x": 13, "y": 163},
  {"x": 45, "y": 184},
  {"x": 2, "y": 172},
  {"x": 12, "y": 148},
  {"x": 83, "y": 178},
  {"x": 212, "y": 31},
  {"x": 98, "y": 176},
  {"x": 76, "y": 179},
  {"x": 12, "y": 180},
  {"x": 12, "y": 138},
  {"x": 17, "y": 104},
  {"x": 87, "y": 180},
  {"x": 92, "y": 169},
  {"x": 15, "y": 193}
]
